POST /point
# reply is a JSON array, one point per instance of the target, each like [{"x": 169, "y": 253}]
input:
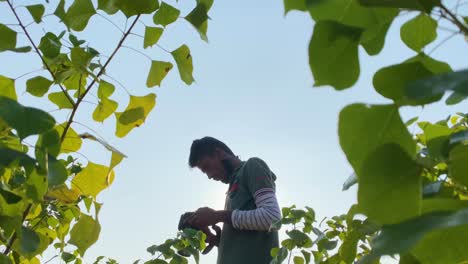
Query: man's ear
[{"x": 220, "y": 154}]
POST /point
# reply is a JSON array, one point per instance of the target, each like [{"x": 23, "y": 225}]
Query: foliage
[
  {"x": 47, "y": 191},
  {"x": 413, "y": 188}
]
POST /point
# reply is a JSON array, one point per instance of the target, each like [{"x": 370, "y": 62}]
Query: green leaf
[
  {"x": 152, "y": 35},
  {"x": 404, "y": 236},
  {"x": 183, "y": 60},
  {"x": 391, "y": 81},
  {"x": 85, "y": 233},
  {"x": 306, "y": 256},
  {"x": 436, "y": 139},
  {"x": 36, "y": 11},
  {"x": 358, "y": 139},
  {"x": 423, "y": 5},
  {"x": 431, "y": 64},
  {"x": 57, "y": 173},
  {"x": 373, "y": 37},
  {"x": 166, "y": 14},
  {"x": 78, "y": 14},
  {"x": 67, "y": 257},
  {"x": 434, "y": 87},
  {"x": 348, "y": 248},
  {"x": 36, "y": 186},
  {"x": 459, "y": 164},
  {"x": 298, "y": 260},
  {"x": 8, "y": 39},
  {"x": 128, "y": 122},
  {"x": 50, "y": 45},
  {"x": 105, "y": 89},
  {"x": 333, "y": 54},
  {"x": 158, "y": 71},
  {"x": 419, "y": 31},
  {"x": 455, "y": 98},
  {"x": 349, "y": 12},
  {"x": 7, "y": 87},
  {"x": 26, "y": 120},
  {"x": 300, "y": 239},
  {"x": 198, "y": 17},
  {"x": 104, "y": 109},
  {"x": 72, "y": 141},
  {"x": 452, "y": 251},
  {"x": 131, "y": 7},
  {"x": 290, "y": 5},
  {"x": 47, "y": 143},
  {"x": 93, "y": 179},
  {"x": 61, "y": 100},
  {"x": 28, "y": 241},
  {"x": 4, "y": 259},
  {"x": 108, "y": 6},
  {"x": 60, "y": 11},
  {"x": 38, "y": 85},
  {"x": 390, "y": 183},
  {"x": 24, "y": 49}
]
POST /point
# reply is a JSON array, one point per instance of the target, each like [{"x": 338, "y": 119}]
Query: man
[{"x": 251, "y": 203}]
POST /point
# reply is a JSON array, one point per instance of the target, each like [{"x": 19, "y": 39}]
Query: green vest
[{"x": 246, "y": 246}]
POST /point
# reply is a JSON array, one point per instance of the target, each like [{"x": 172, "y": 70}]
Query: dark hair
[{"x": 205, "y": 147}]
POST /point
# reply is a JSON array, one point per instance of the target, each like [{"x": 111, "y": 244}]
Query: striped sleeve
[{"x": 263, "y": 216}]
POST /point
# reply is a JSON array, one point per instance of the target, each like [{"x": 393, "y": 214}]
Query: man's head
[{"x": 212, "y": 157}]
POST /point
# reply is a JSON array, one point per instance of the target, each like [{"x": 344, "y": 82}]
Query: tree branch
[
  {"x": 455, "y": 20},
  {"x": 102, "y": 71},
  {"x": 15, "y": 235},
  {"x": 37, "y": 50}
]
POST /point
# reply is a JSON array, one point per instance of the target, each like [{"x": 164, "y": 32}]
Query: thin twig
[
  {"x": 131, "y": 48},
  {"x": 50, "y": 259},
  {"x": 112, "y": 22},
  {"x": 22, "y": 75},
  {"x": 92, "y": 130},
  {"x": 101, "y": 71},
  {"x": 37, "y": 51},
  {"x": 442, "y": 42},
  {"x": 119, "y": 83}
]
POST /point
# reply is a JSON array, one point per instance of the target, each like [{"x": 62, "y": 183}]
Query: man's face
[{"x": 213, "y": 168}]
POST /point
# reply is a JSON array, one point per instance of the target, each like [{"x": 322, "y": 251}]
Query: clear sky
[{"x": 253, "y": 91}]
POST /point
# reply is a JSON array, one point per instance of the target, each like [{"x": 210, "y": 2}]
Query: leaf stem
[{"x": 15, "y": 234}]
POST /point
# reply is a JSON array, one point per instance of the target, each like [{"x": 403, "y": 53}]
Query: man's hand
[{"x": 206, "y": 216}]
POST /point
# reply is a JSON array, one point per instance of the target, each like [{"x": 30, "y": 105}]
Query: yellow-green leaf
[
  {"x": 63, "y": 194},
  {"x": 183, "y": 60},
  {"x": 158, "y": 71},
  {"x": 72, "y": 141},
  {"x": 61, "y": 100},
  {"x": 128, "y": 122},
  {"x": 92, "y": 179},
  {"x": 105, "y": 89},
  {"x": 7, "y": 87},
  {"x": 152, "y": 35},
  {"x": 104, "y": 109},
  {"x": 85, "y": 233}
]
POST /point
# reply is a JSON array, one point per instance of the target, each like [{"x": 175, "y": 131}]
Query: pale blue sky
[{"x": 253, "y": 90}]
